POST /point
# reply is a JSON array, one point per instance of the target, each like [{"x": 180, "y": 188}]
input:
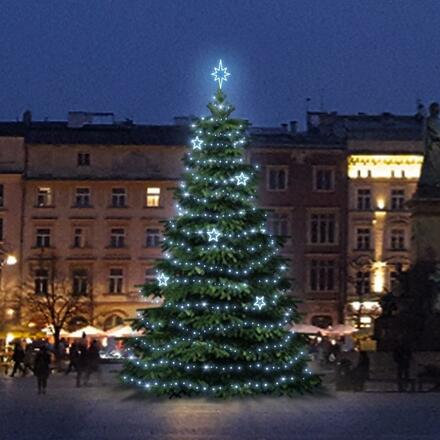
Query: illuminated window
[
  {"x": 119, "y": 198},
  {"x": 362, "y": 283},
  {"x": 322, "y": 229},
  {"x": 278, "y": 224},
  {"x": 41, "y": 281},
  {"x": 322, "y": 275},
  {"x": 363, "y": 239},
  {"x": 397, "y": 239},
  {"x": 44, "y": 197},
  {"x": 363, "y": 199},
  {"x": 116, "y": 280},
  {"x": 323, "y": 179},
  {"x": 397, "y": 199},
  {"x": 153, "y": 197},
  {"x": 276, "y": 178},
  {"x": 117, "y": 238}
]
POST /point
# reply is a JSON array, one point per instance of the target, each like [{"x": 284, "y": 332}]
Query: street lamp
[{"x": 10, "y": 260}]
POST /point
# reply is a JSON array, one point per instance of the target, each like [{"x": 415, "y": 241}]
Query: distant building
[
  {"x": 384, "y": 158},
  {"x": 91, "y": 195}
]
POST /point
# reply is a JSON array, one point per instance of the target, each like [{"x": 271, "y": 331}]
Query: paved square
[{"x": 114, "y": 413}]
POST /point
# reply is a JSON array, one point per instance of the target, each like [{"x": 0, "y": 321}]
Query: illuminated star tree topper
[{"x": 220, "y": 74}]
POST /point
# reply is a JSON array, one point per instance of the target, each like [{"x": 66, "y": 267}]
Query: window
[
  {"x": 112, "y": 321},
  {"x": 362, "y": 283},
  {"x": 278, "y": 224},
  {"x": 83, "y": 159},
  {"x": 397, "y": 199},
  {"x": 44, "y": 197},
  {"x": 363, "y": 239},
  {"x": 397, "y": 239},
  {"x": 82, "y": 197},
  {"x": 322, "y": 228},
  {"x": 322, "y": 275},
  {"x": 364, "y": 199},
  {"x": 116, "y": 280},
  {"x": 41, "y": 281},
  {"x": 79, "y": 239},
  {"x": 117, "y": 238},
  {"x": 276, "y": 178},
  {"x": 1, "y": 230},
  {"x": 80, "y": 282},
  {"x": 324, "y": 179},
  {"x": 43, "y": 238},
  {"x": 119, "y": 198},
  {"x": 149, "y": 275},
  {"x": 152, "y": 238},
  {"x": 2, "y": 195},
  {"x": 153, "y": 197}
]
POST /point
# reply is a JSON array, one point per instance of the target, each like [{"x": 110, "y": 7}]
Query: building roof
[{"x": 385, "y": 126}]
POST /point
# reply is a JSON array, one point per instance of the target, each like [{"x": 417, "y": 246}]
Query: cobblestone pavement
[{"x": 111, "y": 412}]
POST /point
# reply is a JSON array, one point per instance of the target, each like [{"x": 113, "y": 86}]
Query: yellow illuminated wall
[{"x": 385, "y": 166}]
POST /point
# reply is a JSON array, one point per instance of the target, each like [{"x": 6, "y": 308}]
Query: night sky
[{"x": 151, "y": 60}]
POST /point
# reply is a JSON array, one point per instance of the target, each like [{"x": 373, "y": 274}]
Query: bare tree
[{"x": 51, "y": 297}]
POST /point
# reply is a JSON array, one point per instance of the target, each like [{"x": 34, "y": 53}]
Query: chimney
[
  {"x": 293, "y": 127},
  {"x": 284, "y": 127},
  {"x": 27, "y": 117}
]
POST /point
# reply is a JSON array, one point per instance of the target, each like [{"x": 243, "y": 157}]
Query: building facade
[{"x": 86, "y": 202}]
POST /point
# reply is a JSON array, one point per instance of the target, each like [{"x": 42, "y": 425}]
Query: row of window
[
  {"x": 81, "y": 238},
  {"x": 81, "y": 280},
  {"x": 363, "y": 280},
  {"x": 277, "y": 178},
  {"x": 397, "y": 239},
  {"x": 364, "y": 199},
  {"x": 322, "y": 277},
  {"x": 83, "y": 197}
]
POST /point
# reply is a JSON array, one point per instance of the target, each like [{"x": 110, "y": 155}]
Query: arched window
[
  {"x": 112, "y": 321},
  {"x": 76, "y": 323}
]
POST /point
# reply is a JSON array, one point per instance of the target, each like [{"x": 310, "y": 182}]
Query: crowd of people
[{"x": 41, "y": 358}]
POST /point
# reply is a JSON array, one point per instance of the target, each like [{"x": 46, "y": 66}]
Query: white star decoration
[
  {"x": 259, "y": 302},
  {"x": 213, "y": 235},
  {"x": 241, "y": 179},
  {"x": 220, "y": 74},
  {"x": 197, "y": 143},
  {"x": 163, "y": 279}
]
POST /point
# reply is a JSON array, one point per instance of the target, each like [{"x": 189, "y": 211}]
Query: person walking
[
  {"x": 73, "y": 358},
  {"x": 93, "y": 361},
  {"x": 81, "y": 363},
  {"x": 18, "y": 358},
  {"x": 402, "y": 356},
  {"x": 42, "y": 369}
]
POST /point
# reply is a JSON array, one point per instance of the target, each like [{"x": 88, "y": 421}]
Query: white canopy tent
[{"x": 88, "y": 331}]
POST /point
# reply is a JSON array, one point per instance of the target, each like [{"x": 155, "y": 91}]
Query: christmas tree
[{"x": 223, "y": 326}]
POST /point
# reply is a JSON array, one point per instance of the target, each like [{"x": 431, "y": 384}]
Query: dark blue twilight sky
[{"x": 150, "y": 59}]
